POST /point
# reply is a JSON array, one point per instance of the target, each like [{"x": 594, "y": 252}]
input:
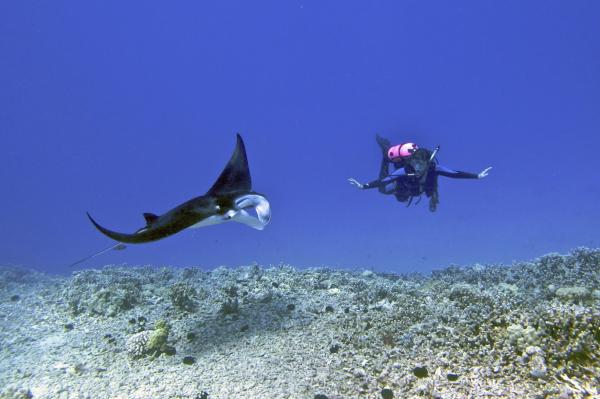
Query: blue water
[{"x": 121, "y": 108}]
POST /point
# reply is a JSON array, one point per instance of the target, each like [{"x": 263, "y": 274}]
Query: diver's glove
[
  {"x": 484, "y": 173},
  {"x": 356, "y": 183}
]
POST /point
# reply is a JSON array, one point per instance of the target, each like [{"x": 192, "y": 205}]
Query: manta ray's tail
[{"x": 117, "y": 246}]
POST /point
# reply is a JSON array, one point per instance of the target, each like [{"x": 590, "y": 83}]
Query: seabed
[{"x": 527, "y": 330}]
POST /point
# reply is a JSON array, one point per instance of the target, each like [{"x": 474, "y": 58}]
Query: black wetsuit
[
  {"x": 389, "y": 181},
  {"x": 404, "y": 182},
  {"x": 412, "y": 176}
]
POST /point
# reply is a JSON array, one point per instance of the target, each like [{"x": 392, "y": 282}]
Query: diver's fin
[
  {"x": 235, "y": 177},
  {"x": 150, "y": 218},
  {"x": 384, "y": 168},
  {"x": 117, "y": 246},
  {"x": 383, "y": 143}
]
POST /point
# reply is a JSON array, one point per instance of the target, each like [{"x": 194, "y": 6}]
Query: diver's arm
[
  {"x": 484, "y": 172},
  {"x": 398, "y": 173},
  {"x": 373, "y": 184},
  {"x": 356, "y": 183},
  {"x": 361, "y": 186},
  {"x": 456, "y": 174}
]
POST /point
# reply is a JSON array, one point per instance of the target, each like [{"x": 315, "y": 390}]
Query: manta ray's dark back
[{"x": 235, "y": 177}]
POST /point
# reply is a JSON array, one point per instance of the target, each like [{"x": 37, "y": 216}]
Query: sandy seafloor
[{"x": 528, "y": 330}]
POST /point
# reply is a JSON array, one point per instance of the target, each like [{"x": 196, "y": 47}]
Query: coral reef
[
  {"x": 183, "y": 296},
  {"x": 136, "y": 346},
  {"x": 106, "y": 292},
  {"x": 531, "y": 329},
  {"x": 149, "y": 342},
  {"x": 16, "y": 393}
]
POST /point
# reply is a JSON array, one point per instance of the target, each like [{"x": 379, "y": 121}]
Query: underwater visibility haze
[
  {"x": 123, "y": 110},
  {"x": 155, "y": 117}
]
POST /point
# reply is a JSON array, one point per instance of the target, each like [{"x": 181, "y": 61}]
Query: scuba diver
[{"x": 408, "y": 171}]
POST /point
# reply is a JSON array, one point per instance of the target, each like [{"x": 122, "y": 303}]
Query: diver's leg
[
  {"x": 434, "y": 201},
  {"x": 383, "y": 169},
  {"x": 384, "y": 144},
  {"x": 431, "y": 190}
]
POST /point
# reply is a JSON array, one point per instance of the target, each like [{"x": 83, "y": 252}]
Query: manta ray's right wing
[{"x": 235, "y": 177}]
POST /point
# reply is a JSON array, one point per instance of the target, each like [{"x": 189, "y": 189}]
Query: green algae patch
[{"x": 157, "y": 340}]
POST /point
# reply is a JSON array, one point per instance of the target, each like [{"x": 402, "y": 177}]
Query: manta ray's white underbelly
[{"x": 240, "y": 214}]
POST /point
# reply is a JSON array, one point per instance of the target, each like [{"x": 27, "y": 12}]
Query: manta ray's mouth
[{"x": 258, "y": 203}]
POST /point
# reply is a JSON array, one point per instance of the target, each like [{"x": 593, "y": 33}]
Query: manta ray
[{"x": 229, "y": 199}]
